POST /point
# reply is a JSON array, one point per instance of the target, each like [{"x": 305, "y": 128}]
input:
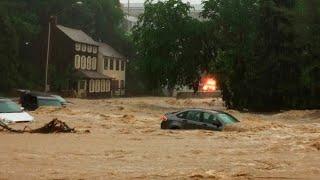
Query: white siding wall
[{"x": 117, "y": 74}]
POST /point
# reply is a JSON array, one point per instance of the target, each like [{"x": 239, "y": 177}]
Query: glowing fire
[{"x": 209, "y": 84}]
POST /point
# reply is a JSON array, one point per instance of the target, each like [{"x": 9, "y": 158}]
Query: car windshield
[
  {"x": 9, "y": 107},
  {"x": 49, "y": 102},
  {"x": 60, "y": 99},
  {"x": 226, "y": 118}
]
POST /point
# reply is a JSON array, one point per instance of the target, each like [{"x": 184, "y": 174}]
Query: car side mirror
[{"x": 22, "y": 108}]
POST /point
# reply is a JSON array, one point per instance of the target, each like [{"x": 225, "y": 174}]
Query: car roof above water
[
  {"x": 41, "y": 95},
  {"x": 5, "y": 99},
  {"x": 203, "y": 109}
]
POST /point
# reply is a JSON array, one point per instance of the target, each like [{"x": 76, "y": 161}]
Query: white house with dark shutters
[{"x": 90, "y": 69}]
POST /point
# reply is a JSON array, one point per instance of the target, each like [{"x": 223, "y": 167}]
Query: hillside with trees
[{"x": 264, "y": 54}]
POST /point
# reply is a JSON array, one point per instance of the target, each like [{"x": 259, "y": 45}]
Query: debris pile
[{"x": 54, "y": 126}]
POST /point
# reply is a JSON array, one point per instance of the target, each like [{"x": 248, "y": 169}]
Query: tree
[
  {"x": 236, "y": 24},
  {"x": 8, "y": 52},
  {"x": 307, "y": 25},
  {"x": 172, "y": 47},
  {"x": 267, "y": 57}
]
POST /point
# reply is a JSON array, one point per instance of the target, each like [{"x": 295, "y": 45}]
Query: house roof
[
  {"x": 107, "y": 50},
  {"x": 77, "y": 35},
  {"x": 90, "y": 74}
]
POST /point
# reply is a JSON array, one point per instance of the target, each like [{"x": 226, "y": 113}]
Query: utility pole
[
  {"x": 46, "y": 86},
  {"x": 128, "y": 7}
]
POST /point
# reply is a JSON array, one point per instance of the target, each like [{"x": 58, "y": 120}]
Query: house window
[
  {"x": 103, "y": 85},
  {"x": 117, "y": 65},
  {"x": 89, "y": 49},
  {"x": 78, "y": 46},
  {"x": 97, "y": 88},
  {"x": 84, "y": 48},
  {"x": 91, "y": 85},
  {"x": 94, "y": 50},
  {"x": 83, "y": 62},
  {"x": 107, "y": 85},
  {"x": 106, "y": 63},
  {"x": 77, "y": 61},
  {"x": 111, "y": 63},
  {"x": 94, "y": 63},
  {"x": 89, "y": 63},
  {"x": 122, "y": 84},
  {"x": 122, "y": 65},
  {"x": 82, "y": 85}
]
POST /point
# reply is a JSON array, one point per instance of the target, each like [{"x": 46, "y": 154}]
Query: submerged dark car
[
  {"x": 197, "y": 119},
  {"x": 33, "y": 100}
]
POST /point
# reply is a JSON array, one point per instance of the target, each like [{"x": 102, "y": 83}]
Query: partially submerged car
[
  {"x": 197, "y": 119},
  {"x": 10, "y": 112},
  {"x": 61, "y": 99},
  {"x": 33, "y": 100}
]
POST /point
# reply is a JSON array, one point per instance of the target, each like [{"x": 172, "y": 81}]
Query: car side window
[
  {"x": 194, "y": 115},
  {"x": 227, "y": 119},
  {"x": 182, "y": 115},
  {"x": 208, "y": 117}
]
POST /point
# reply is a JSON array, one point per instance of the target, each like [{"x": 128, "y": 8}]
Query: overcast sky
[{"x": 142, "y": 1}]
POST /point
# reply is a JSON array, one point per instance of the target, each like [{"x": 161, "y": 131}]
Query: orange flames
[{"x": 209, "y": 84}]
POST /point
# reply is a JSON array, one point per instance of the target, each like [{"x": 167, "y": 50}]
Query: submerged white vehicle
[{"x": 10, "y": 112}]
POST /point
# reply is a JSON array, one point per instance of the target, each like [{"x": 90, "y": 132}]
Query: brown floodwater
[{"x": 126, "y": 142}]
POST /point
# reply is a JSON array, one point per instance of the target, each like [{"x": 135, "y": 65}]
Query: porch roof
[{"x": 90, "y": 75}]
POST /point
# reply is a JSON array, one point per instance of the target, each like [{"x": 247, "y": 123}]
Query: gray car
[{"x": 197, "y": 119}]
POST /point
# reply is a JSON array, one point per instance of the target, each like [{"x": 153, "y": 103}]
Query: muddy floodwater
[{"x": 125, "y": 142}]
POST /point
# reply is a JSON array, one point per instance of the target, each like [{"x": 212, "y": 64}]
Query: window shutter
[
  {"x": 103, "y": 85},
  {"x": 89, "y": 49},
  {"x": 97, "y": 89},
  {"x": 91, "y": 85},
  {"x": 105, "y": 59},
  {"x": 94, "y": 50},
  {"x": 89, "y": 63},
  {"x": 108, "y": 85},
  {"x": 94, "y": 63},
  {"x": 78, "y": 46},
  {"x": 84, "y": 48},
  {"x": 83, "y": 62},
  {"x": 77, "y": 61}
]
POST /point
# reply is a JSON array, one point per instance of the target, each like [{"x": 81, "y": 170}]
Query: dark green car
[
  {"x": 33, "y": 100},
  {"x": 197, "y": 119}
]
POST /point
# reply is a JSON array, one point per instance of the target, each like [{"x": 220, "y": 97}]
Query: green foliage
[
  {"x": 264, "y": 61},
  {"x": 8, "y": 52},
  {"x": 265, "y": 53},
  {"x": 170, "y": 44},
  {"x": 159, "y": 37}
]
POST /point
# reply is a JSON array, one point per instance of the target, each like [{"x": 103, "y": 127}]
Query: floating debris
[{"x": 54, "y": 126}]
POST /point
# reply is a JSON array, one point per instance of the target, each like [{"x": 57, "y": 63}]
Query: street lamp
[{"x": 46, "y": 88}]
